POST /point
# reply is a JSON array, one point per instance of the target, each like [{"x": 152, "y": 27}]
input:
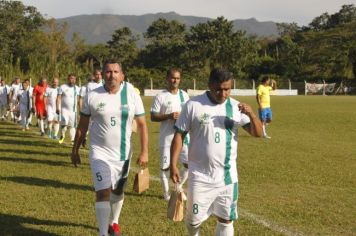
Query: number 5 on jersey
[{"x": 113, "y": 121}]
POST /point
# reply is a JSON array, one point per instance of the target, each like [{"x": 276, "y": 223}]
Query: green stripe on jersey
[
  {"x": 181, "y": 96},
  {"x": 233, "y": 209},
  {"x": 124, "y": 116},
  {"x": 228, "y": 131},
  {"x": 75, "y": 98}
]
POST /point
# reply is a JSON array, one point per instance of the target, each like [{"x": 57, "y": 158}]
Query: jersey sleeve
[
  {"x": 156, "y": 105},
  {"x": 182, "y": 125},
  {"x": 47, "y": 92},
  {"x": 60, "y": 90},
  {"x": 35, "y": 90},
  {"x": 86, "y": 106},
  {"x": 139, "y": 108},
  {"x": 259, "y": 90}
]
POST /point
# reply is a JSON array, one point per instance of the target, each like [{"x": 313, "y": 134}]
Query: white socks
[
  {"x": 264, "y": 130},
  {"x": 116, "y": 202},
  {"x": 64, "y": 129},
  {"x": 41, "y": 126},
  {"x": 72, "y": 133},
  {"x": 223, "y": 229},
  {"x": 102, "y": 210},
  {"x": 193, "y": 230},
  {"x": 50, "y": 127},
  {"x": 56, "y": 129},
  {"x": 164, "y": 181}
]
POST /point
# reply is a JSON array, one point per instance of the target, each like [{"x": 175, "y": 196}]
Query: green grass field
[{"x": 300, "y": 182}]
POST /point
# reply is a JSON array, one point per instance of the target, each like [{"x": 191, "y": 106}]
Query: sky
[{"x": 300, "y": 11}]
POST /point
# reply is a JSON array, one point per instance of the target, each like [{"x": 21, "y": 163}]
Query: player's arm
[
  {"x": 143, "y": 135},
  {"x": 176, "y": 148},
  {"x": 273, "y": 84},
  {"x": 79, "y": 137},
  {"x": 33, "y": 101},
  {"x": 158, "y": 117},
  {"x": 254, "y": 128},
  {"x": 58, "y": 103}
]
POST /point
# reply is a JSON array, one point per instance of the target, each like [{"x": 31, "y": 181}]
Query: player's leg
[
  {"x": 64, "y": 124},
  {"x": 102, "y": 183},
  {"x": 23, "y": 118},
  {"x": 117, "y": 197},
  {"x": 200, "y": 198},
  {"x": 164, "y": 172},
  {"x": 72, "y": 123},
  {"x": 262, "y": 114},
  {"x": 55, "y": 129},
  {"x": 225, "y": 208}
]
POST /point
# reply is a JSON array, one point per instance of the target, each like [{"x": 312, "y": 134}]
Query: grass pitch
[{"x": 300, "y": 182}]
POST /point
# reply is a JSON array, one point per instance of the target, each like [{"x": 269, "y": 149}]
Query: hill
[{"x": 99, "y": 28}]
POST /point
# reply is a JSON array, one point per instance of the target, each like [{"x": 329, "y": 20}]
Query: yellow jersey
[{"x": 263, "y": 95}]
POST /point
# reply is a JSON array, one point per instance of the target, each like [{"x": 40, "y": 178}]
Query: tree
[{"x": 122, "y": 46}]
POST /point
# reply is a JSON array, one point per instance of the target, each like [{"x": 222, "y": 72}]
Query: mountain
[{"x": 99, "y": 28}]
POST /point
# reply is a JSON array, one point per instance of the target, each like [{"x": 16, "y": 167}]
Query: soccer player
[
  {"x": 165, "y": 109},
  {"x": 39, "y": 104},
  {"x": 111, "y": 109},
  {"x": 263, "y": 101},
  {"x": 14, "y": 90},
  {"x": 4, "y": 99},
  {"x": 50, "y": 103},
  {"x": 67, "y": 105},
  {"x": 30, "y": 89},
  {"x": 24, "y": 105},
  {"x": 212, "y": 120}
]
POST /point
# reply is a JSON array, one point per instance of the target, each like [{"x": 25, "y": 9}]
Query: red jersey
[{"x": 38, "y": 92}]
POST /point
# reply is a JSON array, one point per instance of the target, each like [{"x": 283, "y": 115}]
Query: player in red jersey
[{"x": 38, "y": 99}]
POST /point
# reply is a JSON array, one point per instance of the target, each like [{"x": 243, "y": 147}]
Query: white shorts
[
  {"x": 204, "y": 200},
  {"x": 69, "y": 118},
  {"x": 51, "y": 114},
  {"x": 166, "y": 153},
  {"x": 108, "y": 175}
]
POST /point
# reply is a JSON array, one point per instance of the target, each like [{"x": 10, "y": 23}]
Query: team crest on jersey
[
  {"x": 204, "y": 119},
  {"x": 100, "y": 106}
]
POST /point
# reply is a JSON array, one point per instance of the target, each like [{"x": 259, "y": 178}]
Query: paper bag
[
  {"x": 142, "y": 181},
  {"x": 175, "y": 210}
]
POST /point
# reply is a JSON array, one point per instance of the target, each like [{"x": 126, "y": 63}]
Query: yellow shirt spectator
[{"x": 263, "y": 93}]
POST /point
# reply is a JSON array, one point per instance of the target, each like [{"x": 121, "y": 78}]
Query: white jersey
[
  {"x": 15, "y": 88},
  {"x": 4, "y": 92},
  {"x": 89, "y": 87},
  {"x": 24, "y": 97},
  {"x": 69, "y": 99},
  {"x": 111, "y": 116},
  {"x": 51, "y": 95},
  {"x": 166, "y": 103},
  {"x": 213, "y": 130}
]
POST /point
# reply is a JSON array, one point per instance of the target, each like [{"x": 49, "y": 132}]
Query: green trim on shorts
[
  {"x": 227, "y": 178},
  {"x": 124, "y": 117},
  {"x": 179, "y": 130},
  {"x": 233, "y": 210}
]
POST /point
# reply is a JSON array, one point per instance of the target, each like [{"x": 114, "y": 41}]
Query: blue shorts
[{"x": 265, "y": 114}]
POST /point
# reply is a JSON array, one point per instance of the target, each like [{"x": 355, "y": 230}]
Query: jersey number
[
  {"x": 217, "y": 137},
  {"x": 98, "y": 176},
  {"x": 195, "y": 208},
  {"x": 112, "y": 121}
]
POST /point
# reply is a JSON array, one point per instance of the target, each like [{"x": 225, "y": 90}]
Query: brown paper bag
[
  {"x": 175, "y": 210},
  {"x": 142, "y": 180}
]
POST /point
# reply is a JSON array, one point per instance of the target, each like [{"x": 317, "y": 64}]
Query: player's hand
[
  {"x": 75, "y": 159},
  {"x": 57, "y": 111},
  {"x": 245, "y": 109},
  {"x": 33, "y": 110},
  {"x": 142, "y": 160},
  {"x": 175, "y": 115},
  {"x": 174, "y": 174}
]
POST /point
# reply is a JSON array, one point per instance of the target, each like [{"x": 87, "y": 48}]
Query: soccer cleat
[
  {"x": 49, "y": 134},
  {"x": 114, "y": 230},
  {"x": 166, "y": 196},
  {"x": 61, "y": 140},
  {"x": 55, "y": 137},
  {"x": 266, "y": 136},
  {"x": 42, "y": 133},
  {"x": 72, "y": 142}
]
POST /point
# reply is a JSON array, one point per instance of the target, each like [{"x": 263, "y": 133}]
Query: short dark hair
[
  {"x": 218, "y": 76},
  {"x": 97, "y": 70},
  {"x": 264, "y": 78},
  {"x": 110, "y": 62},
  {"x": 171, "y": 71}
]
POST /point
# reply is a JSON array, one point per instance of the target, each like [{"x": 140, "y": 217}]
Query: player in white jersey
[
  {"x": 111, "y": 108},
  {"x": 14, "y": 90},
  {"x": 30, "y": 89},
  {"x": 94, "y": 82},
  {"x": 212, "y": 120},
  {"x": 165, "y": 109},
  {"x": 24, "y": 105},
  {"x": 67, "y": 105},
  {"x": 4, "y": 99},
  {"x": 50, "y": 104}
]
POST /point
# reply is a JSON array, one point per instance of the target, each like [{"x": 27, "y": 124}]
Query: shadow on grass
[
  {"x": 36, "y": 161},
  {"x": 13, "y": 225},
  {"x": 31, "y": 143},
  {"x": 46, "y": 183},
  {"x": 33, "y": 152},
  {"x": 144, "y": 194}
]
